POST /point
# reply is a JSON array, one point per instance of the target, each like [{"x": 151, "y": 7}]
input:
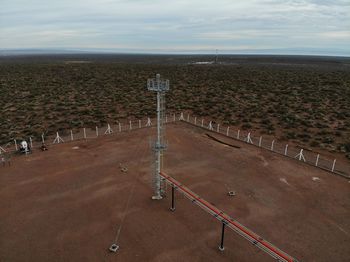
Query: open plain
[{"x": 67, "y": 204}]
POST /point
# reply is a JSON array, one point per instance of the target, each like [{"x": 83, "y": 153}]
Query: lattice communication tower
[{"x": 160, "y": 86}]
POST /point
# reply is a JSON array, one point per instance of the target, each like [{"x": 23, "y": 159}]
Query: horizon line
[{"x": 262, "y": 52}]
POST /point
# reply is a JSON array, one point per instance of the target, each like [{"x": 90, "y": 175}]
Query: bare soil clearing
[{"x": 66, "y": 204}]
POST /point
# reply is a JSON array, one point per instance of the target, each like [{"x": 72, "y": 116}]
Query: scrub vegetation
[{"x": 308, "y": 103}]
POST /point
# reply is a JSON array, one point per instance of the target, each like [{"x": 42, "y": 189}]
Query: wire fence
[
  {"x": 268, "y": 143},
  {"x": 271, "y": 144},
  {"x": 71, "y": 135}
]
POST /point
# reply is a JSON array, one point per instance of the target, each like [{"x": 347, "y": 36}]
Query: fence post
[
  {"x": 71, "y": 135},
  {"x": 149, "y": 123},
  {"x": 130, "y": 124},
  {"x": 84, "y": 133},
  {"x": 42, "y": 138},
  {"x": 188, "y": 117},
  {"x": 15, "y": 144},
  {"x": 300, "y": 156},
  {"x": 140, "y": 122},
  {"x": 195, "y": 120},
  {"x": 120, "y": 127},
  {"x": 335, "y": 160},
  {"x": 238, "y": 134},
  {"x": 260, "y": 141},
  {"x": 227, "y": 131},
  {"x": 58, "y": 139},
  {"x": 181, "y": 117},
  {"x": 286, "y": 150},
  {"x": 31, "y": 142},
  {"x": 96, "y": 131},
  {"x": 317, "y": 158},
  {"x": 174, "y": 118},
  {"x": 218, "y": 128},
  {"x": 272, "y": 144},
  {"x": 202, "y": 122},
  {"x": 249, "y": 139}
]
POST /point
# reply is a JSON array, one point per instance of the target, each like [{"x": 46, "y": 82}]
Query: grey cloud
[{"x": 176, "y": 25}]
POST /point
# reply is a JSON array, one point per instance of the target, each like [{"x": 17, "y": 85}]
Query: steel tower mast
[{"x": 160, "y": 86}]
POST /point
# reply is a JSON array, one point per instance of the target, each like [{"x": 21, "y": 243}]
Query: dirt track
[{"x": 66, "y": 204}]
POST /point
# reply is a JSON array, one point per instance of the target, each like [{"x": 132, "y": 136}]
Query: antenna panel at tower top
[{"x": 157, "y": 84}]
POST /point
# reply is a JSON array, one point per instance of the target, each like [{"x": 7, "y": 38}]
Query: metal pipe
[
  {"x": 172, "y": 198},
  {"x": 231, "y": 223},
  {"x": 221, "y": 247}
]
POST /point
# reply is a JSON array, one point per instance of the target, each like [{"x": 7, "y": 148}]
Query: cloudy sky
[{"x": 178, "y": 26}]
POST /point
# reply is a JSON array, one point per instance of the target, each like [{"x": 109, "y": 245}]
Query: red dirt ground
[{"x": 67, "y": 204}]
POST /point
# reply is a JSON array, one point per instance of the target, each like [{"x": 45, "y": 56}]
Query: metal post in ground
[
  {"x": 120, "y": 127},
  {"x": 272, "y": 144},
  {"x": 130, "y": 124},
  {"x": 108, "y": 130},
  {"x": 149, "y": 122},
  {"x": 96, "y": 131},
  {"x": 221, "y": 247},
  {"x": 335, "y": 160},
  {"x": 286, "y": 150},
  {"x": 238, "y": 134},
  {"x": 172, "y": 198},
  {"x": 174, "y": 117},
  {"x": 58, "y": 139},
  {"x": 42, "y": 138},
  {"x": 188, "y": 117},
  {"x": 139, "y": 123},
  {"x": 182, "y": 116},
  {"x": 202, "y": 122},
  {"x": 249, "y": 139},
  {"x": 71, "y": 135},
  {"x": 84, "y": 133},
  {"x": 195, "y": 120},
  {"x": 31, "y": 142},
  {"x": 300, "y": 156},
  {"x": 227, "y": 131},
  {"x": 218, "y": 128},
  {"x": 317, "y": 158},
  {"x": 260, "y": 140},
  {"x": 15, "y": 144}
]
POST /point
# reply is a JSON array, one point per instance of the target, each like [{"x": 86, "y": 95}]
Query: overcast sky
[{"x": 232, "y": 26}]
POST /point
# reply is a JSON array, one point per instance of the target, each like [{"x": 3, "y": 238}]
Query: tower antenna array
[{"x": 160, "y": 86}]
